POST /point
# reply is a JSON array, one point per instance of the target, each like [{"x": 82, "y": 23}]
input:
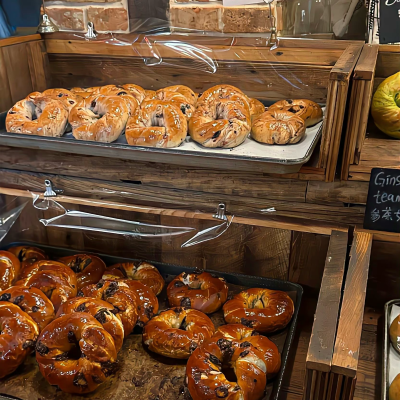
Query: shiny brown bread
[
  {"x": 145, "y": 273},
  {"x": 244, "y": 335},
  {"x": 55, "y": 280},
  {"x": 263, "y": 310},
  {"x": 278, "y": 127},
  {"x": 394, "y": 389},
  {"x": 146, "y": 300},
  {"x": 178, "y": 99},
  {"x": 222, "y": 118},
  {"x": 41, "y": 115},
  {"x": 76, "y": 353},
  {"x": 17, "y": 337},
  {"x": 99, "y": 118},
  {"x": 256, "y": 108},
  {"x": 177, "y": 332},
  {"x": 66, "y": 97},
  {"x": 120, "y": 297},
  {"x": 89, "y": 269},
  {"x": 9, "y": 269},
  {"x": 32, "y": 301},
  {"x": 228, "y": 348},
  {"x": 202, "y": 291},
  {"x": 394, "y": 333},
  {"x": 31, "y": 269},
  {"x": 156, "y": 123},
  {"x": 28, "y": 255},
  {"x": 309, "y": 111},
  {"x": 102, "y": 311},
  {"x": 113, "y": 90},
  {"x": 180, "y": 93}
]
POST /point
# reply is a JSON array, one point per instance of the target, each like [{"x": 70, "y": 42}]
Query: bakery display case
[
  {"x": 247, "y": 256},
  {"x": 366, "y": 146},
  {"x": 289, "y": 69}
]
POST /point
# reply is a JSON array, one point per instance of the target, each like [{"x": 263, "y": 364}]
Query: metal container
[{"x": 144, "y": 375}]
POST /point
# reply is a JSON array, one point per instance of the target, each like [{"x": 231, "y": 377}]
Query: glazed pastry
[
  {"x": 256, "y": 108},
  {"x": 18, "y": 337},
  {"x": 66, "y": 97},
  {"x": 309, "y": 111},
  {"x": 9, "y": 269},
  {"x": 89, "y": 269},
  {"x": 394, "y": 333},
  {"x": 55, "y": 280},
  {"x": 385, "y": 108},
  {"x": 180, "y": 100},
  {"x": 156, "y": 123},
  {"x": 76, "y": 353},
  {"x": 42, "y": 116},
  {"x": 31, "y": 269},
  {"x": 28, "y": 255},
  {"x": 146, "y": 300},
  {"x": 177, "y": 332},
  {"x": 262, "y": 309},
  {"x": 202, "y": 291},
  {"x": 178, "y": 93},
  {"x": 120, "y": 297},
  {"x": 394, "y": 389},
  {"x": 278, "y": 127},
  {"x": 104, "y": 313},
  {"x": 232, "y": 346},
  {"x": 99, "y": 118},
  {"x": 143, "y": 272},
  {"x": 222, "y": 118},
  {"x": 32, "y": 301}
]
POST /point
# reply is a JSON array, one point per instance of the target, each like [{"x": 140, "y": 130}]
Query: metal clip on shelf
[
  {"x": 72, "y": 219},
  {"x": 215, "y": 231}
]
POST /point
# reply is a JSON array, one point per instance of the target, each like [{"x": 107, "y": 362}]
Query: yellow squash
[{"x": 385, "y": 107}]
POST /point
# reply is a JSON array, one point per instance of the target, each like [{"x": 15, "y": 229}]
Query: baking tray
[
  {"x": 250, "y": 156},
  {"x": 386, "y": 348},
  {"x": 143, "y": 375}
]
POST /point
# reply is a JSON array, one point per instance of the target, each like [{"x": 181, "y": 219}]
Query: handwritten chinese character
[
  {"x": 387, "y": 214},
  {"x": 397, "y": 214},
  {"x": 375, "y": 215}
]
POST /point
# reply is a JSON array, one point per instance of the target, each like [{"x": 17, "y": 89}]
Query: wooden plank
[
  {"x": 5, "y": 98},
  {"x": 356, "y": 176},
  {"x": 182, "y": 199},
  {"x": 145, "y": 49},
  {"x": 18, "y": 39},
  {"x": 339, "y": 192},
  {"x": 366, "y": 65},
  {"x": 38, "y": 64},
  {"x": 359, "y": 108},
  {"x": 381, "y": 149},
  {"x": 387, "y": 63},
  {"x": 265, "y": 81},
  {"x": 345, "y": 65},
  {"x": 347, "y": 345},
  {"x": 320, "y": 350},
  {"x": 328, "y": 123},
  {"x": 303, "y": 226},
  {"x": 239, "y": 183},
  {"x": 333, "y": 153},
  {"x": 17, "y": 66}
]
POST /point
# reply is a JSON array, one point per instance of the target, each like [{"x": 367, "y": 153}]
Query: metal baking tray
[
  {"x": 249, "y": 156},
  {"x": 386, "y": 348},
  {"x": 143, "y": 375}
]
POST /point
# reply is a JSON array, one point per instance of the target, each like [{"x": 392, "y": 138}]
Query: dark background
[{"x": 24, "y": 13}]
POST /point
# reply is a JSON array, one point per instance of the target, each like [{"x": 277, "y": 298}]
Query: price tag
[
  {"x": 389, "y": 27},
  {"x": 383, "y": 203}
]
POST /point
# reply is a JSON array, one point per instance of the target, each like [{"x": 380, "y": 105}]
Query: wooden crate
[
  {"x": 334, "y": 377},
  {"x": 366, "y": 147},
  {"x": 319, "y": 70},
  {"x": 311, "y": 259}
]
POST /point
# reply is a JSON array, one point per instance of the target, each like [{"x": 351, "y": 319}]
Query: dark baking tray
[
  {"x": 121, "y": 150},
  {"x": 143, "y": 375}
]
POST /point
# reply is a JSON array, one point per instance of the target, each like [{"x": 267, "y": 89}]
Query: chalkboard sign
[
  {"x": 383, "y": 204},
  {"x": 389, "y": 27}
]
